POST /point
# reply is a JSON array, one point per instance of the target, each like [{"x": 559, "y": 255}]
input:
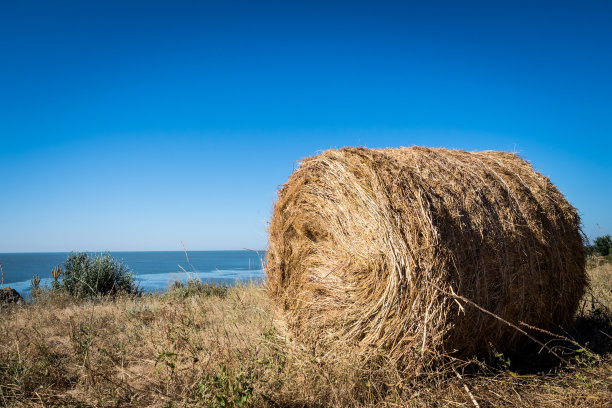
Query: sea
[{"x": 154, "y": 271}]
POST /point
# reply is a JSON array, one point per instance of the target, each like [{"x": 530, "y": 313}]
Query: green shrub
[
  {"x": 601, "y": 246},
  {"x": 195, "y": 287},
  {"x": 87, "y": 275}
]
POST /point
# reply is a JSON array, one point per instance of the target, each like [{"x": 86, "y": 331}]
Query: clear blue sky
[{"x": 130, "y": 125}]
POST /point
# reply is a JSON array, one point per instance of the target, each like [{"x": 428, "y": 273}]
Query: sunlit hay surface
[{"x": 372, "y": 249}]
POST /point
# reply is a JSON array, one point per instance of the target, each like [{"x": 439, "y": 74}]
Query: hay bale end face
[{"x": 373, "y": 248}]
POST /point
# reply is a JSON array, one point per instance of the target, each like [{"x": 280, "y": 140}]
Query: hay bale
[{"x": 368, "y": 248}]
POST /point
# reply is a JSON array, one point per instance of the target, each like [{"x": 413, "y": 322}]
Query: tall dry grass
[{"x": 208, "y": 347}]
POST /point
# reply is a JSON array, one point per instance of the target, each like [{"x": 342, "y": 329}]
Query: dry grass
[
  {"x": 220, "y": 348},
  {"x": 600, "y": 293},
  {"x": 400, "y": 251}
]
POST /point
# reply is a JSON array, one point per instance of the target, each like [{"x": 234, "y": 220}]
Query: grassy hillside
[{"x": 203, "y": 346}]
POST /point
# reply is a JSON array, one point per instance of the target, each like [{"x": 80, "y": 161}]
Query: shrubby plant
[
  {"x": 86, "y": 275},
  {"x": 195, "y": 287},
  {"x": 602, "y": 246}
]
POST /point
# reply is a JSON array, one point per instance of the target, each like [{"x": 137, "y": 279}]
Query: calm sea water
[{"x": 153, "y": 270}]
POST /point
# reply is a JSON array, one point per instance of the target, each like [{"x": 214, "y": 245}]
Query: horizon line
[{"x": 147, "y": 250}]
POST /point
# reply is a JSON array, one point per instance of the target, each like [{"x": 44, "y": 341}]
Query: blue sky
[{"x": 130, "y": 125}]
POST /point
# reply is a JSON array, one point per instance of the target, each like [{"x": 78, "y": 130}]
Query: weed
[{"x": 195, "y": 287}]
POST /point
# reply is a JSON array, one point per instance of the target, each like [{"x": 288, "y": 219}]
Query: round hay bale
[{"x": 380, "y": 248}]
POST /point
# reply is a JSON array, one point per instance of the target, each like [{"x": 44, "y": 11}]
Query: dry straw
[{"x": 375, "y": 249}]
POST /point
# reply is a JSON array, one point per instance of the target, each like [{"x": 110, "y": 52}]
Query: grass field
[{"x": 208, "y": 346}]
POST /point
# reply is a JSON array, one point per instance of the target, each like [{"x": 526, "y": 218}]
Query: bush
[
  {"x": 601, "y": 246},
  {"x": 90, "y": 276},
  {"x": 195, "y": 287}
]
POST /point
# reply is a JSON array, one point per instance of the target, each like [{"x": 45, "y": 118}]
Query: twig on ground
[{"x": 466, "y": 388}]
